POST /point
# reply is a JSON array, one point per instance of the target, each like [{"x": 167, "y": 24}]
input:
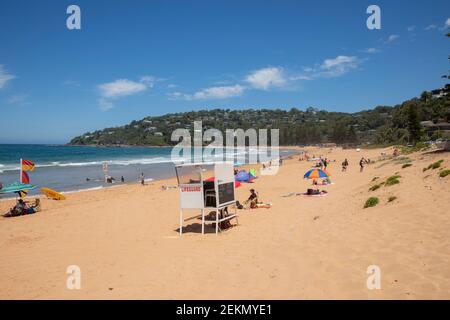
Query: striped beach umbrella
[{"x": 316, "y": 173}]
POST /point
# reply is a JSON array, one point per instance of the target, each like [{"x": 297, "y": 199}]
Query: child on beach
[
  {"x": 252, "y": 199},
  {"x": 361, "y": 164}
]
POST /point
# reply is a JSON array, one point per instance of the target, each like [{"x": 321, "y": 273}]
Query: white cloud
[
  {"x": 411, "y": 28},
  {"x": 337, "y": 62},
  {"x": 338, "y": 66},
  {"x": 435, "y": 26},
  {"x": 329, "y": 68},
  {"x": 104, "y": 104},
  {"x": 393, "y": 37},
  {"x": 371, "y": 50},
  {"x": 17, "y": 99},
  {"x": 5, "y": 77},
  {"x": 446, "y": 25},
  {"x": 275, "y": 77},
  {"x": 149, "y": 81},
  {"x": 266, "y": 78},
  {"x": 122, "y": 88},
  {"x": 71, "y": 83},
  {"x": 211, "y": 93}
]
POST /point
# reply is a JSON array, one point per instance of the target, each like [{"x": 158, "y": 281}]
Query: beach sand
[{"x": 126, "y": 241}]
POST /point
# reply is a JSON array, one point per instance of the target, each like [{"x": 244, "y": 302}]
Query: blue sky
[{"x": 136, "y": 58}]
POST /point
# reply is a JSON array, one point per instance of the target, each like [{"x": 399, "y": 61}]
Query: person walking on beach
[
  {"x": 122, "y": 179},
  {"x": 325, "y": 163},
  {"x": 344, "y": 165},
  {"x": 142, "y": 179},
  {"x": 361, "y": 164}
]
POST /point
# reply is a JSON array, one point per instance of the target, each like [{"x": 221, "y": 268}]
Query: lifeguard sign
[{"x": 213, "y": 194}]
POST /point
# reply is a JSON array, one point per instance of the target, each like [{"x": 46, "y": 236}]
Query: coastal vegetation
[
  {"x": 383, "y": 125},
  {"x": 434, "y": 165},
  {"x": 444, "y": 173},
  {"x": 371, "y": 202},
  {"x": 392, "y": 180}
]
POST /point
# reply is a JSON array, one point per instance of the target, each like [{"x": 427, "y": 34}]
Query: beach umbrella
[
  {"x": 243, "y": 176},
  {"x": 316, "y": 173},
  {"x": 20, "y": 188}
]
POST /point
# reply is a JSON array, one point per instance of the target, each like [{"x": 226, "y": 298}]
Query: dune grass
[
  {"x": 392, "y": 180},
  {"x": 444, "y": 173},
  {"x": 375, "y": 187},
  {"x": 392, "y": 198},
  {"x": 371, "y": 202},
  {"x": 406, "y": 165},
  {"x": 434, "y": 165}
]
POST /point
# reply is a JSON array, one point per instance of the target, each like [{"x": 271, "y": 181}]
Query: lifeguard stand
[{"x": 213, "y": 194}]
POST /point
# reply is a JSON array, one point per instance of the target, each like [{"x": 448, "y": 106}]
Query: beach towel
[
  {"x": 311, "y": 195},
  {"x": 263, "y": 206}
]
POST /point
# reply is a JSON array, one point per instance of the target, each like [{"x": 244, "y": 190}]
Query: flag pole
[{"x": 20, "y": 170}]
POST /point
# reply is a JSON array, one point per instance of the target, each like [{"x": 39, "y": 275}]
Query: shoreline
[{"x": 73, "y": 175}]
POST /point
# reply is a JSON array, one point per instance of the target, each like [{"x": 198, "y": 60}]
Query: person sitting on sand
[
  {"x": 19, "y": 209},
  {"x": 35, "y": 207},
  {"x": 252, "y": 199},
  {"x": 395, "y": 154}
]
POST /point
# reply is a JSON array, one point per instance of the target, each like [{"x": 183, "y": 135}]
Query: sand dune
[{"x": 126, "y": 243}]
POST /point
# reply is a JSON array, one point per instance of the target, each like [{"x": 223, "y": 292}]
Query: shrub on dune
[
  {"x": 444, "y": 173},
  {"x": 371, "y": 202},
  {"x": 392, "y": 180},
  {"x": 406, "y": 165},
  {"x": 434, "y": 165}
]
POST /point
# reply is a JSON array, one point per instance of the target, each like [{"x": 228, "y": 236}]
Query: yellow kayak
[{"x": 53, "y": 194}]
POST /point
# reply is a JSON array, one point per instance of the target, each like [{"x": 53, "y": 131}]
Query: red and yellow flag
[
  {"x": 27, "y": 165},
  {"x": 25, "y": 178}
]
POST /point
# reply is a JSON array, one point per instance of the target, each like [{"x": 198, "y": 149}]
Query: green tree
[{"x": 414, "y": 128}]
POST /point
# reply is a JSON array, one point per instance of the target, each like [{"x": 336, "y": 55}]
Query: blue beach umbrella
[{"x": 18, "y": 187}]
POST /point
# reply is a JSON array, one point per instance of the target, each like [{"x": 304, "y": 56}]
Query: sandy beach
[{"x": 126, "y": 242}]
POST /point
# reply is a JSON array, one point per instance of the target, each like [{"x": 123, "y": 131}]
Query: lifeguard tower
[{"x": 207, "y": 194}]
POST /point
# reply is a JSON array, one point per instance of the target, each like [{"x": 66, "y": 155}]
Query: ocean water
[{"x": 71, "y": 168}]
